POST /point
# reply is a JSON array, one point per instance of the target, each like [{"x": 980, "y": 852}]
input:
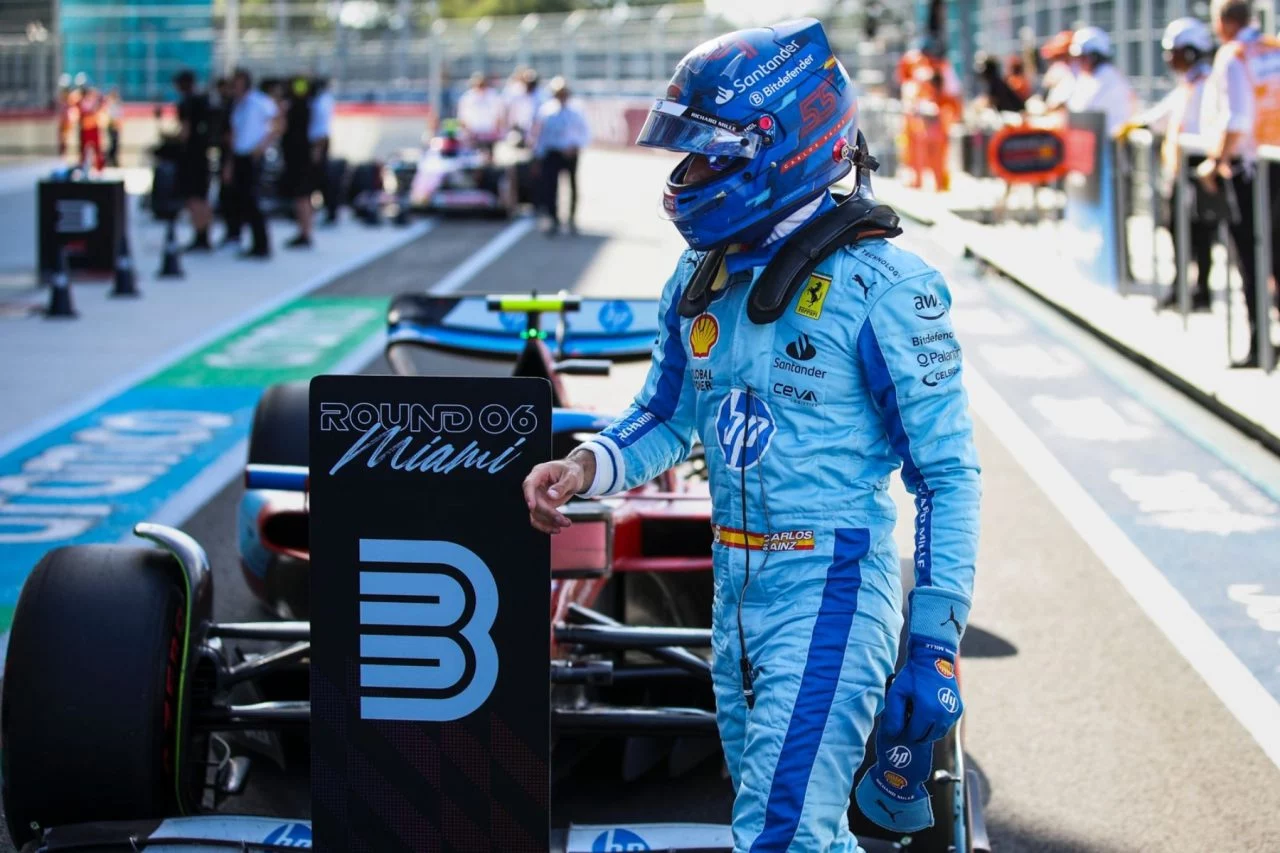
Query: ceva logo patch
[
  {"x": 290, "y": 835},
  {"x": 618, "y": 841}
]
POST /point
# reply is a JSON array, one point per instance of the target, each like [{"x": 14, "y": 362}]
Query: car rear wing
[{"x": 500, "y": 326}]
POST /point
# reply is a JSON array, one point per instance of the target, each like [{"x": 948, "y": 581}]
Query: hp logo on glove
[
  {"x": 948, "y": 699},
  {"x": 899, "y": 757}
]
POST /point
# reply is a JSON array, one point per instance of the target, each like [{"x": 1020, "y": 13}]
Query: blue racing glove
[{"x": 922, "y": 705}]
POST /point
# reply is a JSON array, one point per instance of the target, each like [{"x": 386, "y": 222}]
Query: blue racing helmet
[{"x": 772, "y": 112}]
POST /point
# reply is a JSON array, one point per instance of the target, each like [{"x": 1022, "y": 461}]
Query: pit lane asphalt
[{"x": 1090, "y": 731}]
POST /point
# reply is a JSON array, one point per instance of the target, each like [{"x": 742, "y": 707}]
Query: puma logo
[
  {"x": 954, "y": 621},
  {"x": 893, "y": 815},
  {"x": 866, "y": 291}
]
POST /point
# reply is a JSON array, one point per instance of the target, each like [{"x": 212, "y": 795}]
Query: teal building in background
[{"x": 137, "y": 46}]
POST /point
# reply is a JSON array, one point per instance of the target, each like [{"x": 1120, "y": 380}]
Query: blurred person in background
[
  {"x": 275, "y": 89},
  {"x": 997, "y": 93},
  {"x": 91, "y": 113},
  {"x": 1059, "y": 77},
  {"x": 221, "y": 100},
  {"x": 195, "y": 134},
  {"x": 1245, "y": 66},
  {"x": 1015, "y": 76},
  {"x": 65, "y": 107},
  {"x": 523, "y": 104},
  {"x": 323, "y": 105},
  {"x": 515, "y": 83},
  {"x": 930, "y": 103},
  {"x": 1099, "y": 86},
  {"x": 298, "y": 181},
  {"x": 1261, "y": 57},
  {"x": 255, "y": 126},
  {"x": 114, "y": 116},
  {"x": 560, "y": 132},
  {"x": 481, "y": 113},
  {"x": 1188, "y": 52}
]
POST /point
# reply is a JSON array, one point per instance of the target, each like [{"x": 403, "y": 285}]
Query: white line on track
[
  {"x": 106, "y": 392},
  {"x": 1246, "y": 699},
  {"x": 482, "y": 257}
]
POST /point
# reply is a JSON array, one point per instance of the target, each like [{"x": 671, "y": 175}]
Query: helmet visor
[{"x": 677, "y": 128}]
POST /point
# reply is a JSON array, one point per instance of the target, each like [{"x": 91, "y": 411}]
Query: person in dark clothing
[
  {"x": 196, "y": 119},
  {"x": 560, "y": 132},
  {"x": 254, "y": 128},
  {"x": 299, "y": 180},
  {"x": 222, "y": 140},
  {"x": 322, "y": 108},
  {"x": 999, "y": 94}
]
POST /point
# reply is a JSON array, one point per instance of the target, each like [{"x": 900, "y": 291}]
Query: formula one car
[
  {"x": 454, "y": 176},
  {"x": 156, "y": 738},
  {"x": 132, "y": 715}
]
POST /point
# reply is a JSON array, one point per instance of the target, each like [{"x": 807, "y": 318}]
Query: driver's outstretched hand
[{"x": 548, "y": 487}]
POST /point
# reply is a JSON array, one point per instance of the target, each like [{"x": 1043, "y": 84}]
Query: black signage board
[
  {"x": 87, "y": 218},
  {"x": 430, "y": 632}
]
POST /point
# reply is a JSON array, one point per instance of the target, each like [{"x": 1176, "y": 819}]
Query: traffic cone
[
  {"x": 126, "y": 283},
  {"x": 60, "y": 307},
  {"x": 171, "y": 264}
]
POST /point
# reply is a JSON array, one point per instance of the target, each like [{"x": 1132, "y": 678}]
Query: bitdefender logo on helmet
[{"x": 769, "y": 66}]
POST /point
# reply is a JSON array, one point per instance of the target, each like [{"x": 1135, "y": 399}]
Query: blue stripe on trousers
[{"x": 817, "y": 692}]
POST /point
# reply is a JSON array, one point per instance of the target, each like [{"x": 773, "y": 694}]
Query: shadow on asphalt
[{"x": 979, "y": 643}]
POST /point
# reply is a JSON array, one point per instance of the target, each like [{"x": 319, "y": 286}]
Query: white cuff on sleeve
[{"x": 609, "y": 471}]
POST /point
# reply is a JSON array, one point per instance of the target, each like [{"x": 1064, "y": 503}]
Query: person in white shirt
[
  {"x": 323, "y": 105},
  {"x": 1188, "y": 51},
  {"x": 1227, "y": 116},
  {"x": 524, "y": 98},
  {"x": 1059, "y": 78},
  {"x": 560, "y": 132},
  {"x": 482, "y": 113},
  {"x": 255, "y": 126},
  {"x": 1099, "y": 85}
]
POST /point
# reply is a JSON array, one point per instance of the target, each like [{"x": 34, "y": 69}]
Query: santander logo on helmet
[{"x": 759, "y": 113}]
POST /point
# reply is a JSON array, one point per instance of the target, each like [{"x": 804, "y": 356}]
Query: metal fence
[
  {"x": 28, "y": 70},
  {"x": 388, "y": 50}
]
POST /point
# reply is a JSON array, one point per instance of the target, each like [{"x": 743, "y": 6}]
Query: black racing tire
[
  {"x": 281, "y": 424},
  {"x": 90, "y": 696}
]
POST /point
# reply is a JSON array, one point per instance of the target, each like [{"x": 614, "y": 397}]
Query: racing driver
[{"x": 808, "y": 384}]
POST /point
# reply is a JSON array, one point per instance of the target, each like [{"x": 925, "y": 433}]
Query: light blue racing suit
[{"x": 803, "y": 420}]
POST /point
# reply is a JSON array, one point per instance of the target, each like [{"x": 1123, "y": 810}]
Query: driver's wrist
[{"x": 585, "y": 459}]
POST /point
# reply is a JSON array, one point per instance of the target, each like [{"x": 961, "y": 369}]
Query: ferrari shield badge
[{"x": 813, "y": 296}]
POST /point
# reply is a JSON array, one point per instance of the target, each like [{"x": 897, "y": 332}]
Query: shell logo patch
[
  {"x": 895, "y": 780},
  {"x": 703, "y": 334},
  {"x": 813, "y": 296},
  {"x": 945, "y": 668}
]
